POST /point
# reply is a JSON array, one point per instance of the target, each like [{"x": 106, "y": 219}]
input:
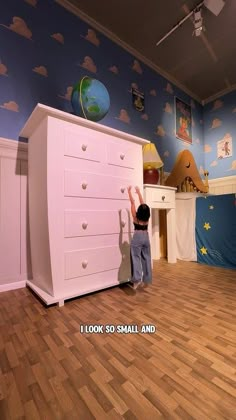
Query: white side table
[{"x": 160, "y": 197}]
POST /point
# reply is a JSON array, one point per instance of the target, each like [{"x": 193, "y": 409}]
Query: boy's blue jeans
[{"x": 140, "y": 255}]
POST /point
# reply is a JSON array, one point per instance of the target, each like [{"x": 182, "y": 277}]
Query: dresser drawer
[
  {"x": 88, "y": 223},
  {"x": 78, "y": 184},
  {"x": 159, "y": 197},
  {"x": 89, "y": 261},
  {"x": 163, "y": 196},
  {"x": 84, "y": 145},
  {"x": 123, "y": 154}
]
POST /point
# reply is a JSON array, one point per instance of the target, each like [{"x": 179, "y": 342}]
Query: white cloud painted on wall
[
  {"x": 207, "y": 148},
  {"x": 32, "y": 2},
  {"x": 10, "y": 106},
  {"x": 169, "y": 88},
  {"x": 217, "y": 104},
  {"x": 68, "y": 93},
  {"x": 214, "y": 163},
  {"x": 124, "y": 116},
  {"x": 133, "y": 86},
  {"x": 137, "y": 67},
  {"x": 41, "y": 70},
  {"x": 92, "y": 37},
  {"x": 233, "y": 166},
  {"x": 153, "y": 92},
  {"x": 89, "y": 64},
  {"x": 160, "y": 131},
  {"x": 58, "y": 37},
  {"x": 19, "y": 27},
  {"x": 168, "y": 108},
  {"x": 216, "y": 123},
  {"x": 3, "y": 70},
  {"x": 114, "y": 69}
]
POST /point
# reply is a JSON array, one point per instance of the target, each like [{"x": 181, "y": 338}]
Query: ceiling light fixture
[
  {"x": 197, "y": 20},
  {"x": 215, "y": 6}
]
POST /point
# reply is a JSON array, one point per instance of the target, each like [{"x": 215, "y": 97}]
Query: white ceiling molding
[{"x": 219, "y": 94}]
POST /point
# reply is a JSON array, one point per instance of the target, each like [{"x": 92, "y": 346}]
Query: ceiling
[{"x": 204, "y": 66}]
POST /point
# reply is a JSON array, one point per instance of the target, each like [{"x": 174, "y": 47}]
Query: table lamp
[{"x": 151, "y": 163}]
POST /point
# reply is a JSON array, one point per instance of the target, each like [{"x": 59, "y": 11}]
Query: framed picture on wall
[
  {"x": 225, "y": 146},
  {"x": 138, "y": 100},
  {"x": 183, "y": 121}
]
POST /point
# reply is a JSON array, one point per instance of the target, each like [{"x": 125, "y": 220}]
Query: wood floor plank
[
  {"x": 31, "y": 412},
  {"x": 91, "y": 401},
  {"x": 14, "y": 401},
  {"x": 79, "y": 406},
  {"x": 143, "y": 405},
  {"x": 22, "y": 386},
  {"x": 186, "y": 369},
  {"x": 61, "y": 394},
  {"x": 43, "y": 382},
  {"x": 105, "y": 387}
]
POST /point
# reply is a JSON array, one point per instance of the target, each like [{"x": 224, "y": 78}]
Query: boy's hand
[
  {"x": 139, "y": 195},
  {"x": 129, "y": 188}
]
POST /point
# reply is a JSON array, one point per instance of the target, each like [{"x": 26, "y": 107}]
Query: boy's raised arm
[
  {"x": 139, "y": 195},
  {"x": 132, "y": 202}
]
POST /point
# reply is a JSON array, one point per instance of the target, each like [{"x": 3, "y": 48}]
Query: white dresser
[{"x": 79, "y": 210}]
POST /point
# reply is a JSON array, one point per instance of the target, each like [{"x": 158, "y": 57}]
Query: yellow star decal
[
  {"x": 203, "y": 250},
  {"x": 211, "y": 207},
  {"x": 207, "y": 226}
]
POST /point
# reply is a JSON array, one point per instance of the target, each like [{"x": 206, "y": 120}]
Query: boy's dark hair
[{"x": 143, "y": 213}]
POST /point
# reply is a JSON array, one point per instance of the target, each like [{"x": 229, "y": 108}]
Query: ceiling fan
[{"x": 215, "y": 6}]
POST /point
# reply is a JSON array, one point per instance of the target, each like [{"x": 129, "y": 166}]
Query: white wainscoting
[
  {"x": 15, "y": 264},
  {"x": 225, "y": 185}
]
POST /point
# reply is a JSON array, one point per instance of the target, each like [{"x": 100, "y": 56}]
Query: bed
[{"x": 206, "y": 228}]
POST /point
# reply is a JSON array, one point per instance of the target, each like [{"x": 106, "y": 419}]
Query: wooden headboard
[{"x": 185, "y": 175}]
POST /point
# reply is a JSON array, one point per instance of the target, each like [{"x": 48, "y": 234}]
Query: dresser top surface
[
  {"x": 159, "y": 187},
  {"x": 40, "y": 112}
]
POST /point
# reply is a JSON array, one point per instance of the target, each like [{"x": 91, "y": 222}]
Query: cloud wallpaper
[
  {"x": 220, "y": 136},
  {"x": 45, "y": 50}
]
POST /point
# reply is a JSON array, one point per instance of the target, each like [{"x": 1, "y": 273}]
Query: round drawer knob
[
  {"x": 84, "y": 147},
  {"x": 123, "y": 223},
  {"x": 163, "y": 198},
  {"x": 84, "y": 185},
  {"x": 122, "y": 156},
  {"x": 84, "y": 225},
  {"x": 84, "y": 264},
  {"x": 122, "y": 190}
]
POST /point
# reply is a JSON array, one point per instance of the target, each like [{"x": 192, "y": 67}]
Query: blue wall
[
  {"x": 45, "y": 50},
  {"x": 220, "y": 128}
]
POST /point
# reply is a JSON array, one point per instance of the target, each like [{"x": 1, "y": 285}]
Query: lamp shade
[{"x": 151, "y": 158}]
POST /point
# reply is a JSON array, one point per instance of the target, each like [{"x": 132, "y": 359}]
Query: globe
[{"x": 90, "y": 99}]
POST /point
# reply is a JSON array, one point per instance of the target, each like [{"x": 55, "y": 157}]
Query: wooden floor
[{"x": 185, "y": 370}]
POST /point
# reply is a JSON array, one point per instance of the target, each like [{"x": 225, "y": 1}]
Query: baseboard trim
[{"x": 12, "y": 286}]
